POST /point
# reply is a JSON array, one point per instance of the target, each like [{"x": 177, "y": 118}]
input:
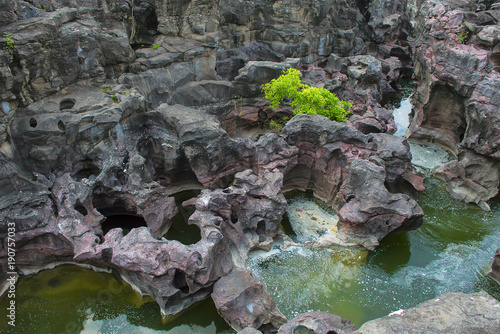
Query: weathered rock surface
[
  {"x": 95, "y": 121},
  {"x": 457, "y": 97},
  {"x": 350, "y": 170},
  {"x": 451, "y": 313}
]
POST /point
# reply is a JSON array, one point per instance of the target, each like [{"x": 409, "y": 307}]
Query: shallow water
[{"x": 71, "y": 299}]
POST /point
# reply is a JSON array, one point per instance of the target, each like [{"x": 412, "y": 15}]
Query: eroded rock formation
[{"x": 113, "y": 107}]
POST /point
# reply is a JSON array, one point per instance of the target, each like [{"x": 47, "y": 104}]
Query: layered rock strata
[{"x": 456, "y": 100}]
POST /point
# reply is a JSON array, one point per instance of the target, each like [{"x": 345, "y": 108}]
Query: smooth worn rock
[
  {"x": 317, "y": 323},
  {"x": 97, "y": 120},
  {"x": 250, "y": 78},
  {"x": 472, "y": 178},
  {"x": 451, "y": 313}
]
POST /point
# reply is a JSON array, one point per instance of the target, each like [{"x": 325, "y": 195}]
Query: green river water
[{"x": 451, "y": 252}]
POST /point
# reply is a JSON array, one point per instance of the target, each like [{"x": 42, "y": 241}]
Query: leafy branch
[{"x": 305, "y": 99}]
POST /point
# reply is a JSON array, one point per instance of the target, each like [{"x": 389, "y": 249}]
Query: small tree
[{"x": 305, "y": 99}]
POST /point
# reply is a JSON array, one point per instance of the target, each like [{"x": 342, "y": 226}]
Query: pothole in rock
[
  {"x": 120, "y": 212},
  {"x": 180, "y": 229},
  {"x": 307, "y": 218},
  {"x": 126, "y": 222}
]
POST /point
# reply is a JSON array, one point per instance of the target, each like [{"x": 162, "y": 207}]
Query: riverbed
[{"x": 451, "y": 252}]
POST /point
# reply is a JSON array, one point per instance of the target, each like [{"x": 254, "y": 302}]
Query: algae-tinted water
[
  {"x": 70, "y": 299},
  {"x": 449, "y": 253}
]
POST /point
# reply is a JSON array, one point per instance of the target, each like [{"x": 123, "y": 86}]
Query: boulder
[
  {"x": 472, "y": 178},
  {"x": 451, "y": 313},
  {"x": 315, "y": 322},
  {"x": 250, "y": 78},
  {"x": 243, "y": 301}
]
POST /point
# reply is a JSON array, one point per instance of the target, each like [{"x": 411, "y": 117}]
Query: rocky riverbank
[{"x": 110, "y": 108}]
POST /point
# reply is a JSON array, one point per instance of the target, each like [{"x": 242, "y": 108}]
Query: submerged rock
[{"x": 315, "y": 322}]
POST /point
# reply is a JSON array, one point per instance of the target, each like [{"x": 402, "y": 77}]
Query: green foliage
[
  {"x": 305, "y": 99},
  {"x": 10, "y": 42},
  {"x": 277, "y": 125},
  {"x": 464, "y": 33},
  {"x": 105, "y": 89},
  {"x": 155, "y": 46}
]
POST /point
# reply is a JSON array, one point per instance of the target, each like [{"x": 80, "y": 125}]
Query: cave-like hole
[
  {"x": 234, "y": 216},
  {"x": 80, "y": 208},
  {"x": 146, "y": 22},
  {"x": 445, "y": 115},
  {"x": 261, "y": 230},
  {"x": 33, "y": 123},
  {"x": 364, "y": 6},
  {"x": 125, "y": 221},
  {"x": 146, "y": 147},
  {"x": 61, "y": 126},
  {"x": 180, "y": 281},
  {"x": 182, "y": 174},
  {"x": 85, "y": 169},
  {"x": 67, "y": 104},
  {"x": 180, "y": 229}
]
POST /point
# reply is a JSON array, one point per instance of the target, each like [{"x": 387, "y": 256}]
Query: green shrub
[
  {"x": 305, "y": 99},
  {"x": 464, "y": 32},
  {"x": 277, "y": 125}
]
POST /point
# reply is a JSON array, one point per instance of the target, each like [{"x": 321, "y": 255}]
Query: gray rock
[
  {"x": 315, "y": 322},
  {"x": 451, "y": 313},
  {"x": 456, "y": 101},
  {"x": 471, "y": 178},
  {"x": 250, "y": 330},
  {"x": 250, "y": 78}
]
